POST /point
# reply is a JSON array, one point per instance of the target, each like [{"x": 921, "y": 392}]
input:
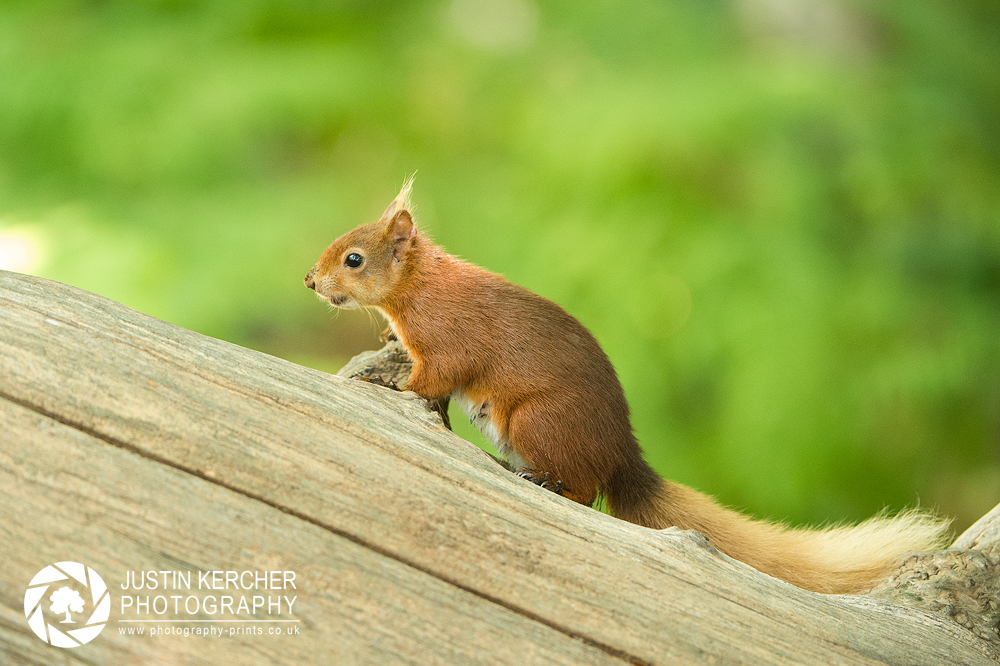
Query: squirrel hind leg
[
  {"x": 517, "y": 443},
  {"x": 540, "y": 438}
]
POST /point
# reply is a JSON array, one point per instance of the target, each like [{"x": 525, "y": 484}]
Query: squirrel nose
[{"x": 309, "y": 281}]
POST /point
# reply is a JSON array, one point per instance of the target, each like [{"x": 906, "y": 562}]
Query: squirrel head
[{"x": 366, "y": 266}]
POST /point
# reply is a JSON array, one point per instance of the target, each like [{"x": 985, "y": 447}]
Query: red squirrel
[{"x": 538, "y": 384}]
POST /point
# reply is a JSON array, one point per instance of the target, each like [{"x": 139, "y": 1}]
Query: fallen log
[{"x": 144, "y": 451}]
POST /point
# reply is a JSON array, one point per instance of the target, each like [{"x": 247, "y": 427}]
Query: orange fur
[{"x": 539, "y": 385}]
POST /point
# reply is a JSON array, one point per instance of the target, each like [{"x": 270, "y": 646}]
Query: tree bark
[{"x": 132, "y": 445}]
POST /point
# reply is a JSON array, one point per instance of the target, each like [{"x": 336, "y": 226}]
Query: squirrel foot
[
  {"x": 545, "y": 480},
  {"x": 439, "y": 405},
  {"x": 542, "y": 479},
  {"x": 378, "y": 381},
  {"x": 387, "y": 335}
]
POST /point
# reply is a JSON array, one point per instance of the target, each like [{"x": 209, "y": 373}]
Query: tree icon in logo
[{"x": 64, "y": 600}]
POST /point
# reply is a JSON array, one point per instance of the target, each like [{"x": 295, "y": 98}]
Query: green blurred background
[{"x": 781, "y": 218}]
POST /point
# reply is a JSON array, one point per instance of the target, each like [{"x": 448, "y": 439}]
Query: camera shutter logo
[{"x": 63, "y": 602}]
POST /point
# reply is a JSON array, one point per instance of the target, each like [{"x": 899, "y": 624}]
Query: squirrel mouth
[{"x": 340, "y": 301}]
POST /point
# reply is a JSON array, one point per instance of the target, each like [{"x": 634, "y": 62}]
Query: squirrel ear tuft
[{"x": 401, "y": 202}]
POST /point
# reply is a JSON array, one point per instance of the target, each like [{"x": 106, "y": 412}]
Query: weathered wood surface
[
  {"x": 961, "y": 583},
  {"x": 132, "y": 444}
]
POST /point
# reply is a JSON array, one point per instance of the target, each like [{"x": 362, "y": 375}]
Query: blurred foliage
[{"x": 781, "y": 218}]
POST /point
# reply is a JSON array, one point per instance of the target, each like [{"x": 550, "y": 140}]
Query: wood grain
[
  {"x": 79, "y": 497},
  {"x": 135, "y": 444}
]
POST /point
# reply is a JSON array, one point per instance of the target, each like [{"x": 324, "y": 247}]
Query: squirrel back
[{"x": 538, "y": 384}]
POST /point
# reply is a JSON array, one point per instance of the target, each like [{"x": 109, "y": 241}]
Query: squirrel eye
[{"x": 353, "y": 260}]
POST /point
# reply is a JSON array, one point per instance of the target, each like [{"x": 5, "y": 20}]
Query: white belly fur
[{"x": 481, "y": 419}]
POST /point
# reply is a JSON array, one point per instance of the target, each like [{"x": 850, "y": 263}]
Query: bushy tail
[{"x": 830, "y": 560}]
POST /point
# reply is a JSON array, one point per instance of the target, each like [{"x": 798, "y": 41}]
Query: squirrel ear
[
  {"x": 401, "y": 232},
  {"x": 400, "y": 229}
]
